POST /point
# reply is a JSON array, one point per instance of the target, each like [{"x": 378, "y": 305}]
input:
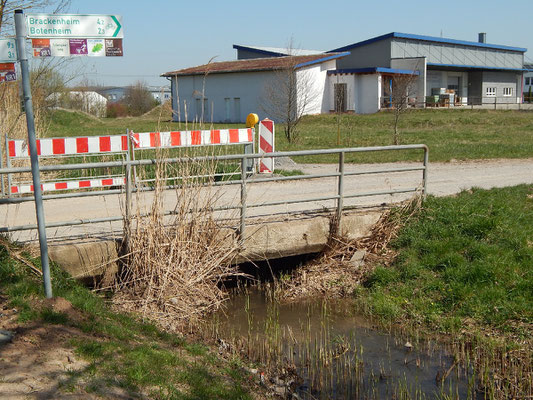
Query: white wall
[
  {"x": 248, "y": 88},
  {"x": 368, "y": 89},
  {"x": 528, "y": 77},
  {"x": 243, "y": 89},
  {"x": 363, "y": 92},
  {"x": 312, "y": 82},
  {"x": 349, "y": 80}
]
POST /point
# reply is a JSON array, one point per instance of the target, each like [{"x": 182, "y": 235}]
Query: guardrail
[{"x": 246, "y": 178}]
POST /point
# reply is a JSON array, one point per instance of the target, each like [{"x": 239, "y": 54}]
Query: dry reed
[
  {"x": 335, "y": 273},
  {"x": 175, "y": 266}
]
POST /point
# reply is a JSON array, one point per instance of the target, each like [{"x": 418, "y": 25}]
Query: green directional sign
[{"x": 74, "y": 26}]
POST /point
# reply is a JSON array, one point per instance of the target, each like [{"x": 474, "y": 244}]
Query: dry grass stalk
[
  {"x": 335, "y": 273},
  {"x": 175, "y": 266}
]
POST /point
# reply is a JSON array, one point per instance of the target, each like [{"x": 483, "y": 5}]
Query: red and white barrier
[
  {"x": 266, "y": 145},
  {"x": 70, "y": 185},
  {"x": 150, "y": 140},
  {"x": 70, "y": 146}
]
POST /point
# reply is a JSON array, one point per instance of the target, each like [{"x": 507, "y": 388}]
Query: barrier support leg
[
  {"x": 249, "y": 149},
  {"x": 8, "y": 165},
  {"x": 244, "y": 163}
]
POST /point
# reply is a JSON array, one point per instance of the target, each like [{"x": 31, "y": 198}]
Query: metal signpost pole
[{"x": 20, "y": 29}]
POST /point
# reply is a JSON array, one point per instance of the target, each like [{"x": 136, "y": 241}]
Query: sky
[{"x": 162, "y": 36}]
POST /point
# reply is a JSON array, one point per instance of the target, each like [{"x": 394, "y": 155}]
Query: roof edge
[
  {"x": 321, "y": 60},
  {"x": 401, "y": 35},
  {"x": 259, "y": 51},
  {"x": 373, "y": 70}
]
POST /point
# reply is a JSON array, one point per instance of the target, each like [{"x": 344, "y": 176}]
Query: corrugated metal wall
[{"x": 449, "y": 54}]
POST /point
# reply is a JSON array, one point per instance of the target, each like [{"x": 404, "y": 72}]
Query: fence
[
  {"x": 75, "y": 147},
  {"x": 246, "y": 179},
  {"x": 472, "y": 103}
]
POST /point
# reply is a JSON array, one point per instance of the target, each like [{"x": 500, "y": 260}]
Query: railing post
[
  {"x": 128, "y": 200},
  {"x": 8, "y": 165},
  {"x": 425, "y": 173},
  {"x": 244, "y": 162},
  {"x": 340, "y": 192}
]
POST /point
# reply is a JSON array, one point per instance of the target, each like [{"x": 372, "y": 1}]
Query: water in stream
[{"x": 337, "y": 355}]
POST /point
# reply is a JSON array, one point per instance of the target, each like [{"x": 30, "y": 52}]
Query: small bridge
[{"x": 271, "y": 216}]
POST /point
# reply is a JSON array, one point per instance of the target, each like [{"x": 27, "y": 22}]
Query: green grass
[
  {"x": 463, "y": 262},
  {"x": 450, "y": 134},
  {"x": 123, "y": 351}
]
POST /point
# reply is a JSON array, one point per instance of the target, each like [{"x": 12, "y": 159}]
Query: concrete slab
[{"x": 264, "y": 240}]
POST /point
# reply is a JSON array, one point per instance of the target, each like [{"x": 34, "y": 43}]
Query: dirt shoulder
[{"x": 38, "y": 361}]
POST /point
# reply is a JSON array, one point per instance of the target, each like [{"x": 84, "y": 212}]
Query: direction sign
[
  {"x": 74, "y": 26},
  {"x": 8, "y": 50}
]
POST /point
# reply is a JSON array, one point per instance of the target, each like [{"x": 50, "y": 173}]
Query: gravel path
[{"x": 443, "y": 179}]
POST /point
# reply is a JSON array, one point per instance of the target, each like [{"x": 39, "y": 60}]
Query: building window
[
  {"x": 527, "y": 81},
  {"x": 490, "y": 92},
  {"x": 507, "y": 91}
]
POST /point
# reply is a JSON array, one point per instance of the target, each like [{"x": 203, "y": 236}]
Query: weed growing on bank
[{"x": 464, "y": 267}]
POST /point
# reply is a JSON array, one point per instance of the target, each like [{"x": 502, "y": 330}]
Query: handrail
[{"x": 244, "y": 180}]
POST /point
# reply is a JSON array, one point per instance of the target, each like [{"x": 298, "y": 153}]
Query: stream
[{"x": 334, "y": 354}]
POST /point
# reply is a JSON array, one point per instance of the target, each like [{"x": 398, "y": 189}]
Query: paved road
[{"x": 444, "y": 179}]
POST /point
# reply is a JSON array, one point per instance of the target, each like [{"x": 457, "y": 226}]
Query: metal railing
[{"x": 246, "y": 178}]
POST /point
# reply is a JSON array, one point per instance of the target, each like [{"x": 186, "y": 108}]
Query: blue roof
[
  {"x": 475, "y": 67},
  {"x": 372, "y": 70},
  {"x": 428, "y": 39},
  {"x": 321, "y": 60}
]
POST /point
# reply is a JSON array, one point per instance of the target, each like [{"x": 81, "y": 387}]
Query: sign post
[{"x": 32, "y": 143}]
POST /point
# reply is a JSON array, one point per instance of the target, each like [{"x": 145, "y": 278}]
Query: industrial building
[{"x": 360, "y": 77}]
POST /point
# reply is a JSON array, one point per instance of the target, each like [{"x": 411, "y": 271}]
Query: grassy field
[
  {"x": 450, "y": 134},
  {"x": 463, "y": 261},
  {"x": 123, "y": 352}
]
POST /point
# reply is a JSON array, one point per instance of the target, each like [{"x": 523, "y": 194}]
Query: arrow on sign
[{"x": 118, "y": 25}]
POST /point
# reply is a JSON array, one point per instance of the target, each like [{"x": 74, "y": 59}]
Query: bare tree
[
  {"x": 138, "y": 99},
  {"x": 8, "y": 7},
  {"x": 288, "y": 95},
  {"x": 400, "y": 93}
]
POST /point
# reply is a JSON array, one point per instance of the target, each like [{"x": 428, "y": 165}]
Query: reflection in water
[{"x": 338, "y": 355}]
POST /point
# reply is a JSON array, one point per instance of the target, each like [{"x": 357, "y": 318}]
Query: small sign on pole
[
  {"x": 7, "y": 72},
  {"x": 8, "y": 50}
]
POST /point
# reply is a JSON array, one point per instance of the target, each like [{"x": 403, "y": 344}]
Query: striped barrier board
[
  {"x": 70, "y": 185},
  {"x": 150, "y": 140},
  {"x": 266, "y": 145},
  {"x": 70, "y": 146}
]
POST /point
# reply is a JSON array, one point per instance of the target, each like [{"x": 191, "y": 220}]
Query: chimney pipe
[{"x": 482, "y": 38}]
